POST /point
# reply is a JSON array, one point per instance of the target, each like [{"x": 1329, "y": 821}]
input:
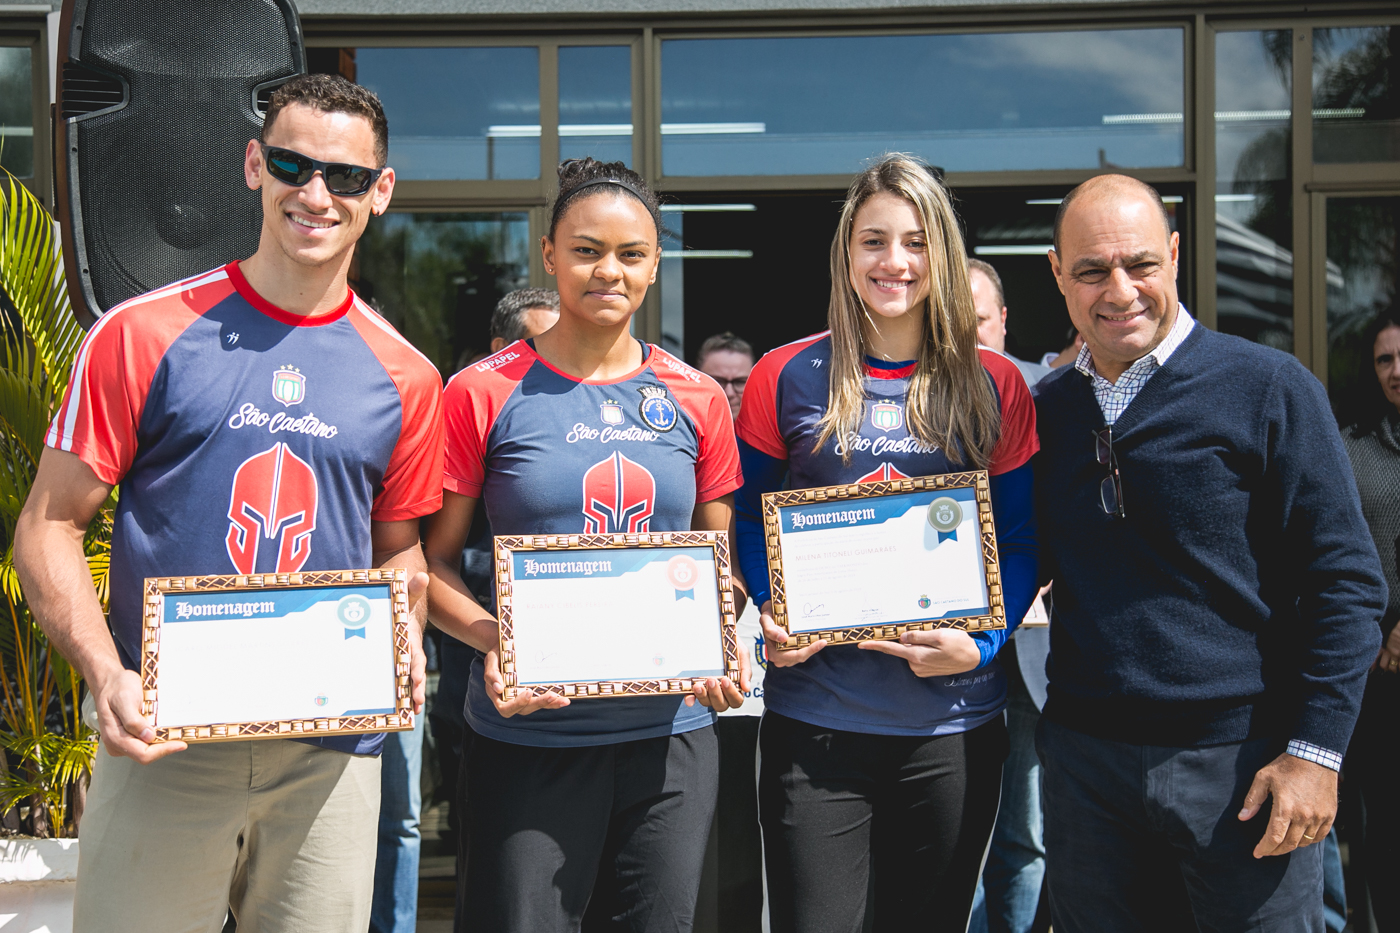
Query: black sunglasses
[
  {"x": 1111, "y": 489},
  {"x": 295, "y": 169}
]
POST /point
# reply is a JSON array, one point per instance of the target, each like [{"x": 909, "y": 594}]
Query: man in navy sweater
[{"x": 1216, "y": 600}]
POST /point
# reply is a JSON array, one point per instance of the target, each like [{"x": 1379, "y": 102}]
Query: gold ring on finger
[{"x": 1309, "y": 838}]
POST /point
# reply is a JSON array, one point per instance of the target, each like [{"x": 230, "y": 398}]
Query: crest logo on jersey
[
  {"x": 657, "y": 411},
  {"x": 619, "y": 496},
  {"x": 882, "y": 474},
  {"x": 610, "y": 412},
  {"x": 886, "y": 416},
  {"x": 288, "y": 386},
  {"x": 274, "y": 497}
]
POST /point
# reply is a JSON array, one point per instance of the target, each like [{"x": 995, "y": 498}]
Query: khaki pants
[{"x": 281, "y": 832}]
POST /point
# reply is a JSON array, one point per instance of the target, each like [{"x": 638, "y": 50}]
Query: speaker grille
[{"x": 161, "y": 183}]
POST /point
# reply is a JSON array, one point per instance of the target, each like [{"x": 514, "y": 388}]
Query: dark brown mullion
[
  {"x": 646, "y": 142},
  {"x": 1309, "y": 322},
  {"x": 1203, "y": 209}
]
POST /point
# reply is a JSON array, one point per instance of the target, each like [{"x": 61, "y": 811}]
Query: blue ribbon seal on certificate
[
  {"x": 682, "y": 571},
  {"x": 353, "y": 613},
  {"x": 945, "y": 515}
]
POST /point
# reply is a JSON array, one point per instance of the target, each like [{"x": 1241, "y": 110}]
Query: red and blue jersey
[
  {"x": 841, "y": 686},
  {"x": 246, "y": 439},
  {"x": 550, "y": 454}
]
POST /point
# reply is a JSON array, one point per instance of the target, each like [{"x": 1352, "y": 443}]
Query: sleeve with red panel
[
  {"x": 764, "y": 454},
  {"x": 412, "y": 485},
  {"x": 717, "y": 470},
  {"x": 471, "y": 403},
  {"x": 758, "y": 416},
  {"x": 116, "y": 363},
  {"x": 1018, "y": 438}
]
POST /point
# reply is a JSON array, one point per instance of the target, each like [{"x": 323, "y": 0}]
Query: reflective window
[
  {"x": 595, "y": 103},
  {"x": 458, "y": 113},
  {"x": 1363, "y": 264},
  {"x": 965, "y": 102},
  {"x": 1356, "y": 97},
  {"x": 1253, "y": 213},
  {"x": 437, "y": 277},
  {"x": 16, "y": 111}
]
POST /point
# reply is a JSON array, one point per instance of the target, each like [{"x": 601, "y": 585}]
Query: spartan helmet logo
[
  {"x": 883, "y": 473},
  {"x": 618, "y": 496},
  {"x": 274, "y": 496}
]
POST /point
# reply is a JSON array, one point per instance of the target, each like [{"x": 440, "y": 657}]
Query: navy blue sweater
[{"x": 1240, "y": 596}]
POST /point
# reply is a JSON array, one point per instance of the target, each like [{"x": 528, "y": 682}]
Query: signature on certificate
[{"x": 818, "y": 611}]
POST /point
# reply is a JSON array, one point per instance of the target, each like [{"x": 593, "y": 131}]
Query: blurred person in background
[
  {"x": 1373, "y": 444},
  {"x": 989, "y": 298},
  {"x": 522, "y": 314},
  {"x": 1008, "y": 892},
  {"x": 519, "y": 315},
  {"x": 727, "y": 360},
  {"x": 1073, "y": 344}
]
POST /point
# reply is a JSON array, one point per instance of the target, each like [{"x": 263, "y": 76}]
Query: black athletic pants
[
  {"x": 906, "y": 819},
  {"x": 599, "y": 838}
]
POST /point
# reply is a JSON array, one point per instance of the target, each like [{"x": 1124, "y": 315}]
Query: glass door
[{"x": 1356, "y": 278}]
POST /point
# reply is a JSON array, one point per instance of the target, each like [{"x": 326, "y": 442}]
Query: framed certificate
[
  {"x": 275, "y": 656},
  {"x": 870, "y": 561},
  {"x": 615, "y": 615}
]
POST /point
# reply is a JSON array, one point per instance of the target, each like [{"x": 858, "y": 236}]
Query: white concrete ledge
[{"x": 29, "y": 860}]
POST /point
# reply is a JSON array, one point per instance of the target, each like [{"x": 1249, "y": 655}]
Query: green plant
[{"x": 47, "y": 749}]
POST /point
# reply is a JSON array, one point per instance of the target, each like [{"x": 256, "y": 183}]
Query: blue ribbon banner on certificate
[
  {"x": 277, "y": 660},
  {"x": 616, "y": 620},
  {"x": 872, "y": 560}
]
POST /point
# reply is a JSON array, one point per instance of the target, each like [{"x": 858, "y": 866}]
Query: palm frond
[
  {"x": 31, "y": 275},
  {"x": 45, "y": 748}
]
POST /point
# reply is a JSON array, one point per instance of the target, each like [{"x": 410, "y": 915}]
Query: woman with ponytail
[
  {"x": 589, "y": 806},
  {"x": 881, "y": 763}
]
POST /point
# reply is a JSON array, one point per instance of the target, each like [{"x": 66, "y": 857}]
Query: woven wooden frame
[
  {"x": 157, "y": 588},
  {"x": 976, "y": 480},
  {"x": 718, "y": 541}
]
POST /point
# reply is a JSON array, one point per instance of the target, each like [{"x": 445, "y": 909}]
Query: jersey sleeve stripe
[
  {"x": 411, "y": 486},
  {"x": 1019, "y": 440},
  {"x": 758, "y": 416},
  {"x": 67, "y": 415},
  {"x": 378, "y": 321}
]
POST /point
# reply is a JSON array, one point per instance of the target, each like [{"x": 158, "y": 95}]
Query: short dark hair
[
  {"x": 987, "y": 269},
  {"x": 723, "y": 342},
  {"x": 508, "y": 320},
  {"x": 575, "y": 176},
  {"x": 1117, "y": 181},
  {"x": 332, "y": 94}
]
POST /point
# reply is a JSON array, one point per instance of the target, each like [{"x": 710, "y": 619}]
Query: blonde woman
[{"x": 885, "y": 758}]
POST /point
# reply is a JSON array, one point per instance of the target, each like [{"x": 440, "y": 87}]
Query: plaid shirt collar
[{"x": 1115, "y": 397}]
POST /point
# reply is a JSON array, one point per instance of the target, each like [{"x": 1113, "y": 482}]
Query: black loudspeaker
[{"x": 156, "y": 101}]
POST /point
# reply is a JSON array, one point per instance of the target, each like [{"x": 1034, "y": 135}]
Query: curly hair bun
[{"x": 581, "y": 177}]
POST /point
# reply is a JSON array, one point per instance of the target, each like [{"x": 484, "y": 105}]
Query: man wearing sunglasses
[
  {"x": 259, "y": 418},
  {"x": 1217, "y": 599}
]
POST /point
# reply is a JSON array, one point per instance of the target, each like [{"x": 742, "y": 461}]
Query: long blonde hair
[{"x": 951, "y": 404}]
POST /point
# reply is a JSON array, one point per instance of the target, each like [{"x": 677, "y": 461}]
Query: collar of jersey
[
  {"x": 646, "y": 361},
  {"x": 235, "y": 275},
  {"x": 884, "y": 369}
]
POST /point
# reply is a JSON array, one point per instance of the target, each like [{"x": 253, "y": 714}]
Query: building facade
[{"x": 1272, "y": 130}]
